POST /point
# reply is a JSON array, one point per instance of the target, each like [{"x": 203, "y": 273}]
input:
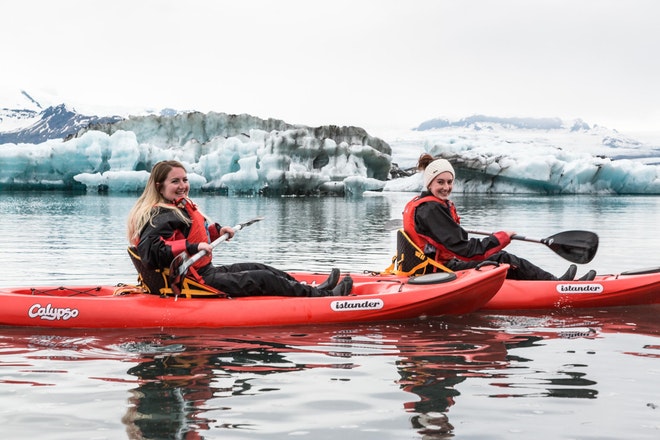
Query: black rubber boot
[
  {"x": 589, "y": 276},
  {"x": 344, "y": 288},
  {"x": 570, "y": 273},
  {"x": 331, "y": 282}
]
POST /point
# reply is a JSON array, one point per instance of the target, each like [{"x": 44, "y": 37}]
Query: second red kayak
[{"x": 637, "y": 287}]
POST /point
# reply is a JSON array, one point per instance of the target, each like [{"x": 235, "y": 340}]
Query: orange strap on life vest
[{"x": 410, "y": 260}]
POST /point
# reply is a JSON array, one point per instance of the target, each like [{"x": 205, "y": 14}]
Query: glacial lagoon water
[{"x": 591, "y": 374}]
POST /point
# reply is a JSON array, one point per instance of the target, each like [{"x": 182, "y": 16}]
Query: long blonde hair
[{"x": 143, "y": 210}]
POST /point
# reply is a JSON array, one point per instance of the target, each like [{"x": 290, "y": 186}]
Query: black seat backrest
[
  {"x": 410, "y": 260},
  {"x": 157, "y": 281}
]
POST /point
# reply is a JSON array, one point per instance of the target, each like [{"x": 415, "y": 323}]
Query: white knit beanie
[{"x": 436, "y": 167}]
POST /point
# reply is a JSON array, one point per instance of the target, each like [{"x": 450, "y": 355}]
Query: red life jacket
[
  {"x": 442, "y": 254},
  {"x": 198, "y": 229}
]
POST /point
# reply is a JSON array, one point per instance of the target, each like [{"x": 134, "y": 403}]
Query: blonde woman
[{"x": 164, "y": 222}]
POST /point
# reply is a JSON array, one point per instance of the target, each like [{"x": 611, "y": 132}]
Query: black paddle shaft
[{"x": 575, "y": 246}]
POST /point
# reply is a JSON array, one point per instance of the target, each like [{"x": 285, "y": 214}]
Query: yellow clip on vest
[{"x": 410, "y": 260}]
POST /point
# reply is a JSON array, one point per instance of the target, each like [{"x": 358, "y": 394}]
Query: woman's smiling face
[
  {"x": 442, "y": 185},
  {"x": 175, "y": 185}
]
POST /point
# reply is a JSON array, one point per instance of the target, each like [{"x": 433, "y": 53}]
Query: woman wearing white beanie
[
  {"x": 436, "y": 168},
  {"x": 432, "y": 223}
]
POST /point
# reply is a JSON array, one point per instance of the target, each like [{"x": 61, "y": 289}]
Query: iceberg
[
  {"x": 526, "y": 155},
  {"x": 235, "y": 154}
]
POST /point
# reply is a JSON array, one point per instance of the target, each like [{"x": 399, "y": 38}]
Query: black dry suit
[{"x": 436, "y": 229}]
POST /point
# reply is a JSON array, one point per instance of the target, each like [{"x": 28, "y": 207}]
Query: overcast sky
[{"x": 373, "y": 63}]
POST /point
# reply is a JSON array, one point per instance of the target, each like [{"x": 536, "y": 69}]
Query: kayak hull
[
  {"x": 374, "y": 298},
  {"x": 624, "y": 289}
]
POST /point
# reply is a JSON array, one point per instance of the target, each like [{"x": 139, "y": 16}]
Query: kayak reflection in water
[
  {"x": 164, "y": 224},
  {"x": 175, "y": 393},
  {"x": 431, "y": 222}
]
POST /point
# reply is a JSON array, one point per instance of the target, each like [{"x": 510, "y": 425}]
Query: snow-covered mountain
[
  {"x": 24, "y": 119},
  {"x": 52, "y": 123}
]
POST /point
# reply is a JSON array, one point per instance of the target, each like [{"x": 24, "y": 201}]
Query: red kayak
[
  {"x": 374, "y": 298},
  {"x": 636, "y": 287}
]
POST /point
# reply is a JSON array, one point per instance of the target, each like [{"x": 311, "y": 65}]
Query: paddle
[
  {"x": 181, "y": 263},
  {"x": 575, "y": 246}
]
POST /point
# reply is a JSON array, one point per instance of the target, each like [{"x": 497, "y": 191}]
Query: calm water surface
[{"x": 591, "y": 374}]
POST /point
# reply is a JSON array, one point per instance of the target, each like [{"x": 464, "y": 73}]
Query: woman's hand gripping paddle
[
  {"x": 575, "y": 246},
  {"x": 181, "y": 263}
]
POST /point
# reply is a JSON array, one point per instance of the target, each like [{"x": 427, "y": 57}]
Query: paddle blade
[
  {"x": 249, "y": 222},
  {"x": 575, "y": 246}
]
